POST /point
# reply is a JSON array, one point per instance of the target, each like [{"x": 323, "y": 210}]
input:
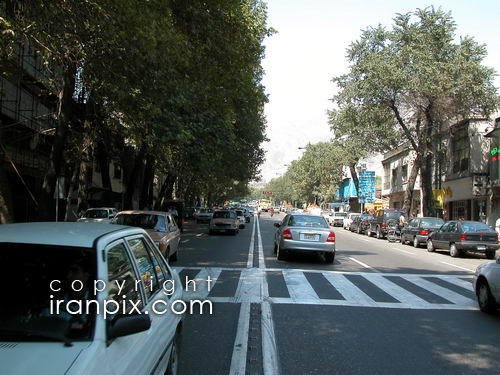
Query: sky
[{"x": 309, "y": 48}]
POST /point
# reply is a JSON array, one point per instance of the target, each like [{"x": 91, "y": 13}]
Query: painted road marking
[
  {"x": 440, "y": 291},
  {"x": 459, "y": 267},
  {"x": 298, "y": 286},
  {"x": 253, "y": 288},
  {"x": 362, "y": 264},
  {"x": 403, "y": 251},
  {"x": 349, "y": 291},
  {"x": 239, "y": 357},
  {"x": 251, "y": 247},
  {"x": 201, "y": 284}
]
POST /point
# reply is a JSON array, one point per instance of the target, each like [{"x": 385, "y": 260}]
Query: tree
[{"x": 417, "y": 80}]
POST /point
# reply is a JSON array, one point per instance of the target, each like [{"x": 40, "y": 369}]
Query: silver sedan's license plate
[
  {"x": 481, "y": 248},
  {"x": 309, "y": 237}
]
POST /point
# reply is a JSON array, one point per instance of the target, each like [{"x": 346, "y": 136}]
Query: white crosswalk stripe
[
  {"x": 253, "y": 280},
  {"x": 298, "y": 286}
]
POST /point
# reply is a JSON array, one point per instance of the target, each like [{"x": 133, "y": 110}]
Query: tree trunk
[
  {"x": 102, "y": 157},
  {"x": 408, "y": 198},
  {"x": 72, "y": 188},
  {"x": 5, "y": 196},
  {"x": 354, "y": 176},
  {"x": 426, "y": 183},
  {"x": 146, "y": 198},
  {"x": 134, "y": 180},
  {"x": 56, "y": 160},
  {"x": 85, "y": 166}
]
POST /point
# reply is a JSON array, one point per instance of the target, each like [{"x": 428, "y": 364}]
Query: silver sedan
[{"x": 304, "y": 233}]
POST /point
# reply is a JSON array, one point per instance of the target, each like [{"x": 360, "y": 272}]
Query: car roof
[
  {"x": 135, "y": 212},
  {"x": 59, "y": 234}
]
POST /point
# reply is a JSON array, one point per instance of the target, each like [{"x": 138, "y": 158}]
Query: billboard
[{"x": 366, "y": 192}]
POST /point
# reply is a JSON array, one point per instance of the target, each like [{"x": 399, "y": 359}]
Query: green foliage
[
  {"x": 408, "y": 83},
  {"x": 314, "y": 177},
  {"x": 180, "y": 80}
]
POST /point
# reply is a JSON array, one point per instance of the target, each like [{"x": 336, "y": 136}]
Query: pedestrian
[{"x": 402, "y": 220}]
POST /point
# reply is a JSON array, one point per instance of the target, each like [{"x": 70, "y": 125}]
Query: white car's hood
[{"x": 38, "y": 357}]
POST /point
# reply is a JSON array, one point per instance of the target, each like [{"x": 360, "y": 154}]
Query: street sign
[{"x": 366, "y": 192}]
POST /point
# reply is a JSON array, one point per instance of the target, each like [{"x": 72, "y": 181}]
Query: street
[{"x": 381, "y": 308}]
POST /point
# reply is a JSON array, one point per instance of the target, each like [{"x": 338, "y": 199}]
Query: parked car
[
  {"x": 304, "y": 233},
  {"x": 241, "y": 218},
  {"x": 348, "y": 219},
  {"x": 461, "y": 236},
  {"x": 336, "y": 219},
  {"x": 377, "y": 225},
  {"x": 224, "y": 221},
  {"x": 418, "y": 229},
  {"x": 486, "y": 284},
  {"x": 40, "y": 338},
  {"x": 161, "y": 227},
  {"x": 203, "y": 215},
  {"x": 98, "y": 215},
  {"x": 360, "y": 223}
]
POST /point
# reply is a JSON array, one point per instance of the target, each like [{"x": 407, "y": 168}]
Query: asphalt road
[{"x": 381, "y": 308}]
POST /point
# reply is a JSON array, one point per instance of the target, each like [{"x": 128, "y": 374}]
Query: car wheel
[
  {"x": 415, "y": 242},
  {"x": 379, "y": 233},
  {"x": 358, "y": 230},
  {"x": 173, "y": 361},
  {"x": 485, "y": 299},
  {"x": 281, "y": 255},
  {"x": 430, "y": 246},
  {"x": 368, "y": 232},
  {"x": 329, "y": 258},
  {"x": 173, "y": 257},
  {"x": 490, "y": 255},
  {"x": 454, "y": 252}
]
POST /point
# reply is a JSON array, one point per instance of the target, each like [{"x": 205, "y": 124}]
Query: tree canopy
[
  {"x": 406, "y": 83},
  {"x": 177, "y": 83}
]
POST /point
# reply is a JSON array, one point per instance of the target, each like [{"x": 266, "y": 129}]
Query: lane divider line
[
  {"x": 239, "y": 357},
  {"x": 459, "y": 267},
  {"x": 251, "y": 247},
  {"x": 262, "y": 263},
  {"x": 362, "y": 264},
  {"x": 270, "y": 361},
  {"x": 403, "y": 251}
]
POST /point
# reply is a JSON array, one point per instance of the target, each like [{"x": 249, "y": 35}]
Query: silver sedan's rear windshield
[{"x": 307, "y": 221}]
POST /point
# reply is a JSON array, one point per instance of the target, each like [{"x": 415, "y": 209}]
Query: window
[
  {"x": 121, "y": 273},
  {"x": 452, "y": 227},
  {"x": 145, "y": 265},
  {"x": 460, "y": 149},
  {"x": 307, "y": 221}
]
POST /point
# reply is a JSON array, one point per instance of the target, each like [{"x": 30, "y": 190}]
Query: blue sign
[{"x": 366, "y": 187}]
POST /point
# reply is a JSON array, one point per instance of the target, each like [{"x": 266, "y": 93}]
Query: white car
[
  {"x": 98, "y": 215},
  {"x": 241, "y": 218},
  {"x": 348, "y": 219},
  {"x": 486, "y": 283},
  {"x": 86, "y": 298}
]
